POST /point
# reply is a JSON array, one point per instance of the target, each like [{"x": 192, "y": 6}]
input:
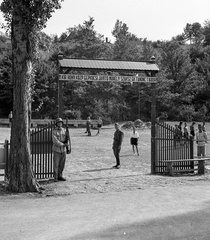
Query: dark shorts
[
  {"x": 99, "y": 125},
  {"x": 134, "y": 141}
]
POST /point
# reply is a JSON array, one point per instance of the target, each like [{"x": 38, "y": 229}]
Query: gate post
[
  {"x": 60, "y": 98},
  {"x": 7, "y": 159},
  {"x": 153, "y": 121},
  {"x": 191, "y": 152}
]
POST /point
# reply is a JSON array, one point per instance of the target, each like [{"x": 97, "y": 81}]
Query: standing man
[
  {"x": 117, "y": 142},
  {"x": 201, "y": 140},
  {"x": 192, "y": 130},
  {"x": 88, "y": 126},
  {"x": 60, "y": 143}
]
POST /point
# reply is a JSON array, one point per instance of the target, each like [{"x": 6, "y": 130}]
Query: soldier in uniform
[
  {"x": 60, "y": 144},
  {"x": 117, "y": 142}
]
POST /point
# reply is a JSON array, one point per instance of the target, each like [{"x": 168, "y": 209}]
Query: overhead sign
[{"x": 105, "y": 78}]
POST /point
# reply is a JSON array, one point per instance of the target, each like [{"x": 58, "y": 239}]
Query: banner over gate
[{"x": 105, "y": 78}]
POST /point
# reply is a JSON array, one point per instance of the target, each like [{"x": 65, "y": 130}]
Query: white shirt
[{"x": 135, "y": 135}]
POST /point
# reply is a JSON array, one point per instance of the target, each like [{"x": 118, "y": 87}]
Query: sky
[{"x": 151, "y": 19}]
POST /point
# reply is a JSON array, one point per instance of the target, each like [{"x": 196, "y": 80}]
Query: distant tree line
[{"x": 183, "y": 83}]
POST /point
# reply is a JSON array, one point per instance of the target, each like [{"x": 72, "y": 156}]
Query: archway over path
[{"x": 113, "y": 71}]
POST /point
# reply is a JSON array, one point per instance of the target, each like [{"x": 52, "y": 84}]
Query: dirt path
[
  {"x": 98, "y": 202},
  {"x": 181, "y": 212}
]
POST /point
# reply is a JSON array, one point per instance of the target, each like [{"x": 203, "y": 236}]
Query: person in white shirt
[
  {"x": 134, "y": 140},
  {"x": 201, "y": 140}
]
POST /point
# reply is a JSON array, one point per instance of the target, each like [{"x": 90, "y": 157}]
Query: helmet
[{"x": 58, "y": 120}]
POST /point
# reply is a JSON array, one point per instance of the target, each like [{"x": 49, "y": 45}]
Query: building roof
[{"x": 86, "y": 64}]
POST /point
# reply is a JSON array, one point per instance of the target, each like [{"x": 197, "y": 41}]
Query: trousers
[
  {"x": 59, "y": 160},
  {"x": 116, "y": 151}
]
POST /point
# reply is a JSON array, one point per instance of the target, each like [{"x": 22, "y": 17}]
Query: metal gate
[
  {"x": 41, "y": 151},
  {"x": 168, "y": 147}
]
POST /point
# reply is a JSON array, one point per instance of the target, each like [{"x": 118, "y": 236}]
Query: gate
[
  {"x": 168, "y": 147},
  {"x": 41, "y": 151}
]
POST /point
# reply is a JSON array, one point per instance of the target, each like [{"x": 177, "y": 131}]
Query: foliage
[
  {"x": 5, "y": 76},
  {"x": 183, "y": 80},
  {"x": 24, "y": 20}
]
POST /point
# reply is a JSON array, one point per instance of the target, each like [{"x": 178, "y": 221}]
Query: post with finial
[
  {"x": 153, "y": 120},
  {"x": 60, "y": 89}
]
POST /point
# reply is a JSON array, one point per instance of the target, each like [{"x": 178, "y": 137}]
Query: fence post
[
  {"x": 191, "y": 151},
  {"x": 153, "y": 122},
  {"x": 6, "y": 147}
]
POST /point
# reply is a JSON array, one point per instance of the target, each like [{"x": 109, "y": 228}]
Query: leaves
[{"x": 183, "y": 76}]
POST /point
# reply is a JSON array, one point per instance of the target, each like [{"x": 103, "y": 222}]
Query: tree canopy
[
  {"x": 25, "y": 19},
  {"x": 182, "y": 80}
]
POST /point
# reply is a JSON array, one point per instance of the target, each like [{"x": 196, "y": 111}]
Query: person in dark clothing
[
  {"x": 192, "y": 130},
  {"x": 88, "y": 126},
  {"x": 180, "y": 127},
  {"x": 186, "y": 133},
  {"x": 117, "y": 142}
]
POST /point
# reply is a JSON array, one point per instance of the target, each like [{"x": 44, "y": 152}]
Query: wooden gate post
[
  {"x": 153, "y": 121},
  {"x": 60, "y": 98},
  {"x": 7, "y": 159},
  {"x": 191, "y": 152}
]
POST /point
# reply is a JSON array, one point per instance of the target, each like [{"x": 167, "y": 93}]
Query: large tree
[{"x": 25, "y": 19}]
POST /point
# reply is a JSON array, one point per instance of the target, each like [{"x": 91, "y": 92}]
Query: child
[
  {"x": 134, "y": 140},
  {"x": 99, "y": 125}
]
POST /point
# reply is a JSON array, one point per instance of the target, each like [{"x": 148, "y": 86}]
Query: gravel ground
[{"x": 98, "y": 202}]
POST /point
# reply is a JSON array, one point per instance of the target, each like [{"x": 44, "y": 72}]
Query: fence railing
[
  {"x": 169, "y": 147},
  {"x": 41, "y": 153}
]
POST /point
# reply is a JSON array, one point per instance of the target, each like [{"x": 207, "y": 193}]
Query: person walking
[
  {"x": 99, "y": 125},
  {"x": 88, "y": 126},
  {"x": 59, "y": 149},
  {"x": 134, "y": 140},
  {"x": 117, "y": 142}
]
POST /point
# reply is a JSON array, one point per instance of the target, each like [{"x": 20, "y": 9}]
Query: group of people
[
  {"x": 61, "y": 146},
  {"x": 184, "y": 132},
  {"x": 200, "y": 136},
  {"x": 89, "y": 125}
]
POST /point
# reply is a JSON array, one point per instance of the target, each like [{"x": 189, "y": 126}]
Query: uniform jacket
[
  {"x": 58, "y": 138},
  {"x": 118, "y": 138}
]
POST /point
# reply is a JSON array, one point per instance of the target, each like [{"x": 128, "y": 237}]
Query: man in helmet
[{"x": 59, "y": 149}]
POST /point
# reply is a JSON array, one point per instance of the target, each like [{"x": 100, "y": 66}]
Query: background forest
[{"x": 183, "y": 82}]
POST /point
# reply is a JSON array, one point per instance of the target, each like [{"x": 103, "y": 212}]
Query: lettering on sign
[{"x": 78, "y": 77}]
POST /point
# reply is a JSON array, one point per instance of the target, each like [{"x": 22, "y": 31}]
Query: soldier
[
  {"x": 118, "y": 138},
  {"x": 60, "y": 144}
]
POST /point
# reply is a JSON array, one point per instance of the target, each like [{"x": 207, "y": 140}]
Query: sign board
[{"x": 106, "y": 78}]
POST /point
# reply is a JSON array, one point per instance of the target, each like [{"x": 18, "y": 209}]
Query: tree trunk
[{"x": 21, "y": 176}]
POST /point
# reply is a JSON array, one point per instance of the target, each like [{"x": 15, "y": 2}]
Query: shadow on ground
[{"x": 189, "y": 226}]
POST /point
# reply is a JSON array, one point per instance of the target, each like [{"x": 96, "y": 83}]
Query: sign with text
[{"x": 105, "y": 78}]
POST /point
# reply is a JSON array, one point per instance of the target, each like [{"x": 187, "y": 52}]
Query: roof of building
[{"x": 100, "y": 64}]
